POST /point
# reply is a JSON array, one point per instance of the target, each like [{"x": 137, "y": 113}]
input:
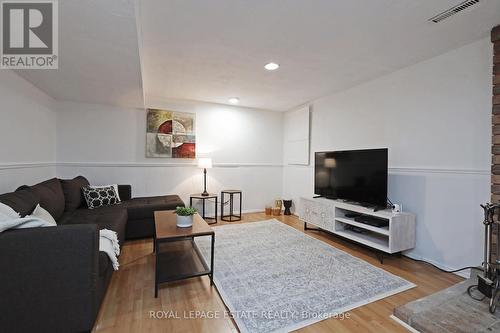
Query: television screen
[{"x": 353, "y": 175}]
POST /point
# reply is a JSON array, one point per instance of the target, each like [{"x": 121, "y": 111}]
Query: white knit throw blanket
[
  {"x": 108, "y": 243},
  {"x": 7, "y": 222}
]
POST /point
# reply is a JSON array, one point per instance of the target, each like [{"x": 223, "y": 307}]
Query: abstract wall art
[{"x": 170, "y": 134}]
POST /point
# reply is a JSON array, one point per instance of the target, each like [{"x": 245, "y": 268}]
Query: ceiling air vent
[{"x": 453, "y": 10}]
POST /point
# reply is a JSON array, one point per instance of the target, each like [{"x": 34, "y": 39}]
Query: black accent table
[
  {"x": 209, "y": 197},
  {"x": 231, "y": 217}
]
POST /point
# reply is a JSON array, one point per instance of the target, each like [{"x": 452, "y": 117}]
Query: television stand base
[
  {"x": 307, "y": 228},
  {"x": 395, "y": 234},
  {"x": 380, "y": 256}
]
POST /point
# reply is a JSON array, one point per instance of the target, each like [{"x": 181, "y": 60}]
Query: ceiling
[
  {"x": 113, "y": 53},
  {"x": 98, "y": 55}
]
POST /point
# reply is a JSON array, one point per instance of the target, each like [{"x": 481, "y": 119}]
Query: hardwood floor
[{"x": 130, "y": 300}]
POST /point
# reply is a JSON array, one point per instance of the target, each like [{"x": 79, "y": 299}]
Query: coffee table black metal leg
[
  {"x": 156, "y": 270},
  {"x": 216, "y": 208},
  {"x": 212, "y": 261}
]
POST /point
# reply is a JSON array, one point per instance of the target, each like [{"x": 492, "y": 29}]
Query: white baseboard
[{"x": 247, "y": 211}]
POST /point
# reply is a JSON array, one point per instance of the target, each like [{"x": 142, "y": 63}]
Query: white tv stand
[{"x": 330, "y": 215}]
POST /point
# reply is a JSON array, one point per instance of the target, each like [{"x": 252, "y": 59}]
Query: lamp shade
[{"x": 204, "y": 163}]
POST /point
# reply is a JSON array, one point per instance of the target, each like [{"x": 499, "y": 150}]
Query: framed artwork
[{"x": 170, "y": 134}]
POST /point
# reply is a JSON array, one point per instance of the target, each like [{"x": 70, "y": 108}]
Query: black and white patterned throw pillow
[{"x": 100, "y": 196}]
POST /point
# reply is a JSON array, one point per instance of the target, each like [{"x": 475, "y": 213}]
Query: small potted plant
[{"x": 185, "y": 216}]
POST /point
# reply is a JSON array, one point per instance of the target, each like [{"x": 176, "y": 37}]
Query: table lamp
[{"x": 204, "y": 163}]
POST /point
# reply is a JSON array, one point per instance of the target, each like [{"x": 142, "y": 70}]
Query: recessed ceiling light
[
  {"x": 234, "y": 100},
  {"x": 272, "y": 66}
]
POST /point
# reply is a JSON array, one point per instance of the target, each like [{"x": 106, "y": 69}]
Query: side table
[
  {"x": 231, "y": 217},
  {"x": 210, "y": 197}
]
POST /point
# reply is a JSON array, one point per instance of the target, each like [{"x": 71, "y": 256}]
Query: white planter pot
[{"x": 184, "y": 221}]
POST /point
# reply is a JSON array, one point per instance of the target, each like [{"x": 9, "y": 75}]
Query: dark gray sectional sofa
[{"x": 54, "y": 279}]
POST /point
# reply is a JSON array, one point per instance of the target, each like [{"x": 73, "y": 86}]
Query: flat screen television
[{"x": 353, "y": 175}]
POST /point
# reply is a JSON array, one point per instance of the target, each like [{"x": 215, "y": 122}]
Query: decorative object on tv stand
[
  {"x": 269, "y": 210},
  {"x": 205, "y": 163},
  {"x": 287, "y": 204},
  {"x": 185, "y": 216},
  {"x": 170, "y": 134}
]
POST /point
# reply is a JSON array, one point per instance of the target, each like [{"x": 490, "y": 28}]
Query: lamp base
[{"x": 205, "y": 193}]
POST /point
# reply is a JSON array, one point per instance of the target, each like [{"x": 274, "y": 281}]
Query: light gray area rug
[{"x": 275, "y": 278}]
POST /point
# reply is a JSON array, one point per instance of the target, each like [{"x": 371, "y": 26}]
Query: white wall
[
  {"x": 296, "y": 140},
  {"x": 107, "y": 144},
  {"x": 27, "y": 133},
  {"x": 435, "y": 118}
]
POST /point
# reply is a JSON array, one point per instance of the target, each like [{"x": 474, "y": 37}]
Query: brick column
[{"x": 495, "y": 148}]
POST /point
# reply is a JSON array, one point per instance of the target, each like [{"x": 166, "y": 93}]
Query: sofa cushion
[
  {"x": 144, "y": 208},
  {"x": 23, "y": 201},
  {"x": 144, "y": 228},
  {"x": 73, "y": 196},
  {"x": 51, "y": 196},
  {"x": 125, "y": 192},
  {"x": 107, "y": 217}
]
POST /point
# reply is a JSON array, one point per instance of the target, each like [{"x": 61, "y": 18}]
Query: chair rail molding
[
  {"x": 26, "y": 165},
  {"x": 418, "y": 170},
  {"x": 163, "y": 165}
]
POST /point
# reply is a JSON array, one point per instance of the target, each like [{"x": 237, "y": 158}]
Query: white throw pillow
[
  {"x": 7, "y": 217},
  {"x": 115, "y": 186},
  {"x": 44, "y": 215},
  {"x": 7, "y": 211}
]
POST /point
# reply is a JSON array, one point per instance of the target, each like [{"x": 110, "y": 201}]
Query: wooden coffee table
[{"x": 177, "y": 256}]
